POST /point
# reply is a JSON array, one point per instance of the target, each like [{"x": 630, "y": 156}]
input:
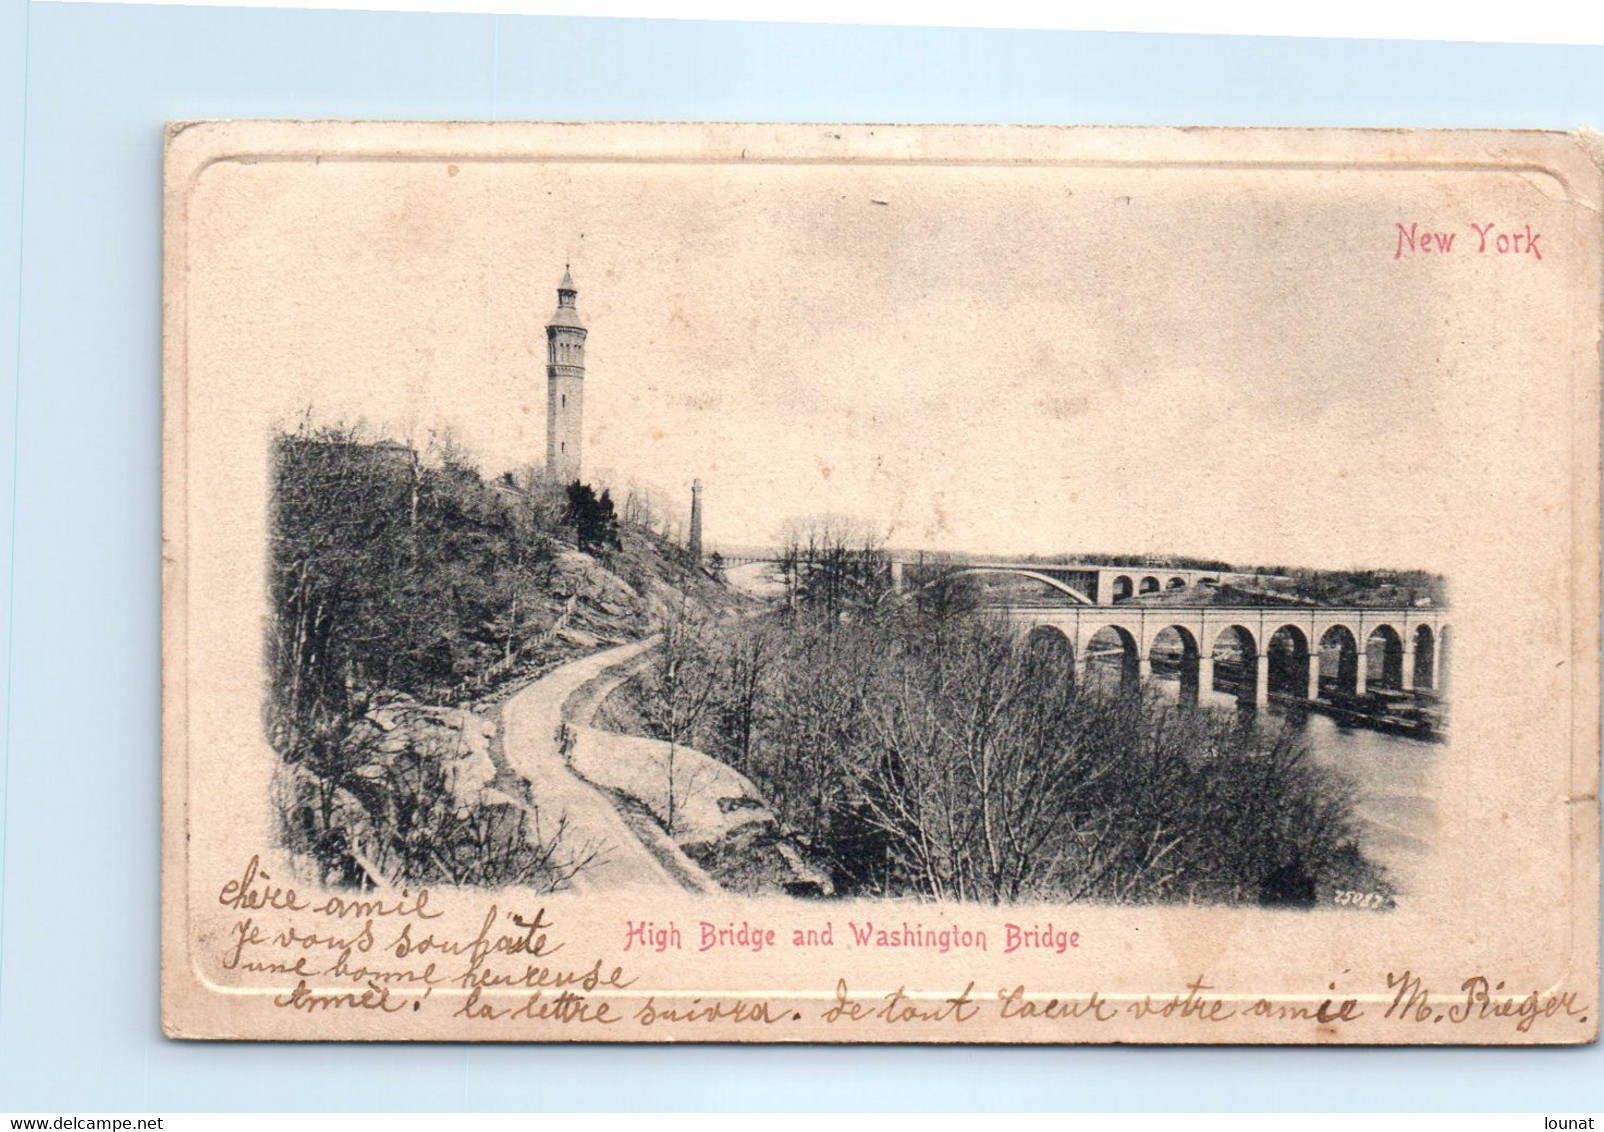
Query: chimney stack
[{"x": 696, "y": 521}]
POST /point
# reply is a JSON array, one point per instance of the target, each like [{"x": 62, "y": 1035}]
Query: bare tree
[
  {"x": 963, "y": 764},
  {"x": 748, "y": 656},
  {"x": 834, "y": 565},
  {"x": 680, "y": 688}
]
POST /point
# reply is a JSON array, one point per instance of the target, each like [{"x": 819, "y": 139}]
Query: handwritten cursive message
[{"x": 506, "y": 969}]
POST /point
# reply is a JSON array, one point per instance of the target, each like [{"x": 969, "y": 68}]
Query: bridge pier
[
  {"x": 1144, "y": 669},
  {"x": 1314, "y": 674},
  {"x": 1261, "y": 679},
  {"x": 1205, "y": 678},
  {"x": 1407, "y": 680},
  {"x": 1361, "y": 677}
]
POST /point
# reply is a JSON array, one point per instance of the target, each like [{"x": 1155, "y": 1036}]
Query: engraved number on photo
[{"x": 1359, "y": 899}]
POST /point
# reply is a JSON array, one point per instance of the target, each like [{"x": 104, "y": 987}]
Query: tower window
[{"x": 564, "y": 399}]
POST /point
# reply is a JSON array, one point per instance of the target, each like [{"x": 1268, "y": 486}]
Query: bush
[{"x": 592, "y": 518}]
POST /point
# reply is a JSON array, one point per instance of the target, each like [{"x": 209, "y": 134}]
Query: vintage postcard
[{"x": 880, "y": 584}]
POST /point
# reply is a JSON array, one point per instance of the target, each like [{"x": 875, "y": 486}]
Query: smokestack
[{"x": 696, "y": 521}]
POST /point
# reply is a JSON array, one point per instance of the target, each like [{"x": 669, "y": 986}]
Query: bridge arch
[
  {"x": 1234, "y": 662},
  {"x": 1424, "y": 676},
  {"x": 1110, "y": 650},
  {"x": 1384, "y": 659},
  {"x": 1016, "y": 572},
  {"x": 1149, "y": 585},
  {"x": 1122, "y": 588},
  {"x": 1175, "y": 584},
  {"x": 1051, "y": 654},
  {"x": 1050, "y": 640},
  {"x": 1174, "y": 649},
  {"x": 1337, "y": 665},
  {"x": 1293, "y": 668}
]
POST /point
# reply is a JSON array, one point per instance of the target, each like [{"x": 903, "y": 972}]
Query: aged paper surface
[{"x": 844, "y": 583}]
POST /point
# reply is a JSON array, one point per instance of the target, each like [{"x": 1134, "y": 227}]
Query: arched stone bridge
[
  {"x": 1303, "y": 652},
  {"x": 1306, "y": 652}
]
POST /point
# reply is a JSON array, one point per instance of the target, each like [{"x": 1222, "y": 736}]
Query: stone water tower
[{"x": 565, "y": 385}]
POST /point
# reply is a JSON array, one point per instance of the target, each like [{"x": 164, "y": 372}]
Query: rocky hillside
[{"x": 410, "y": 598}]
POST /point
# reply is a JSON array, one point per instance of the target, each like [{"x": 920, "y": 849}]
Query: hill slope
[{"x": 394, "y": 582}]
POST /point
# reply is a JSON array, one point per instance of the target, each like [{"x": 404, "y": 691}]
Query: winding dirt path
[{"x": 530, "y": 722}]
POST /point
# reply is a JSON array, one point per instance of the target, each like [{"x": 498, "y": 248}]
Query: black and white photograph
[{"x": 550, "y": 676}]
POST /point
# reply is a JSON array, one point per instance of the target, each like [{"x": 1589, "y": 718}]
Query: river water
[{"x": 1392, "y": 776}]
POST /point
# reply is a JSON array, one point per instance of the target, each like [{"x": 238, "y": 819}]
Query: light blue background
[{"x": 84, "y": 91}]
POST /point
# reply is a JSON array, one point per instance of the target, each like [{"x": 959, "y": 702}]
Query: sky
[{"x": 1003, "y": 359}]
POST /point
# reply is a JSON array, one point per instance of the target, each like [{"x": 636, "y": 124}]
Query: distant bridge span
[
  {"x": 1307, "y": 652},
  {"x": 1045, "y": 578},
  {"x": 1096, "y": 584},
  {"x": 1086, "y": 583}
]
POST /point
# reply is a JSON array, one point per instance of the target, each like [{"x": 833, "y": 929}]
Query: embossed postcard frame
[{"x": 708, "y": 582}]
